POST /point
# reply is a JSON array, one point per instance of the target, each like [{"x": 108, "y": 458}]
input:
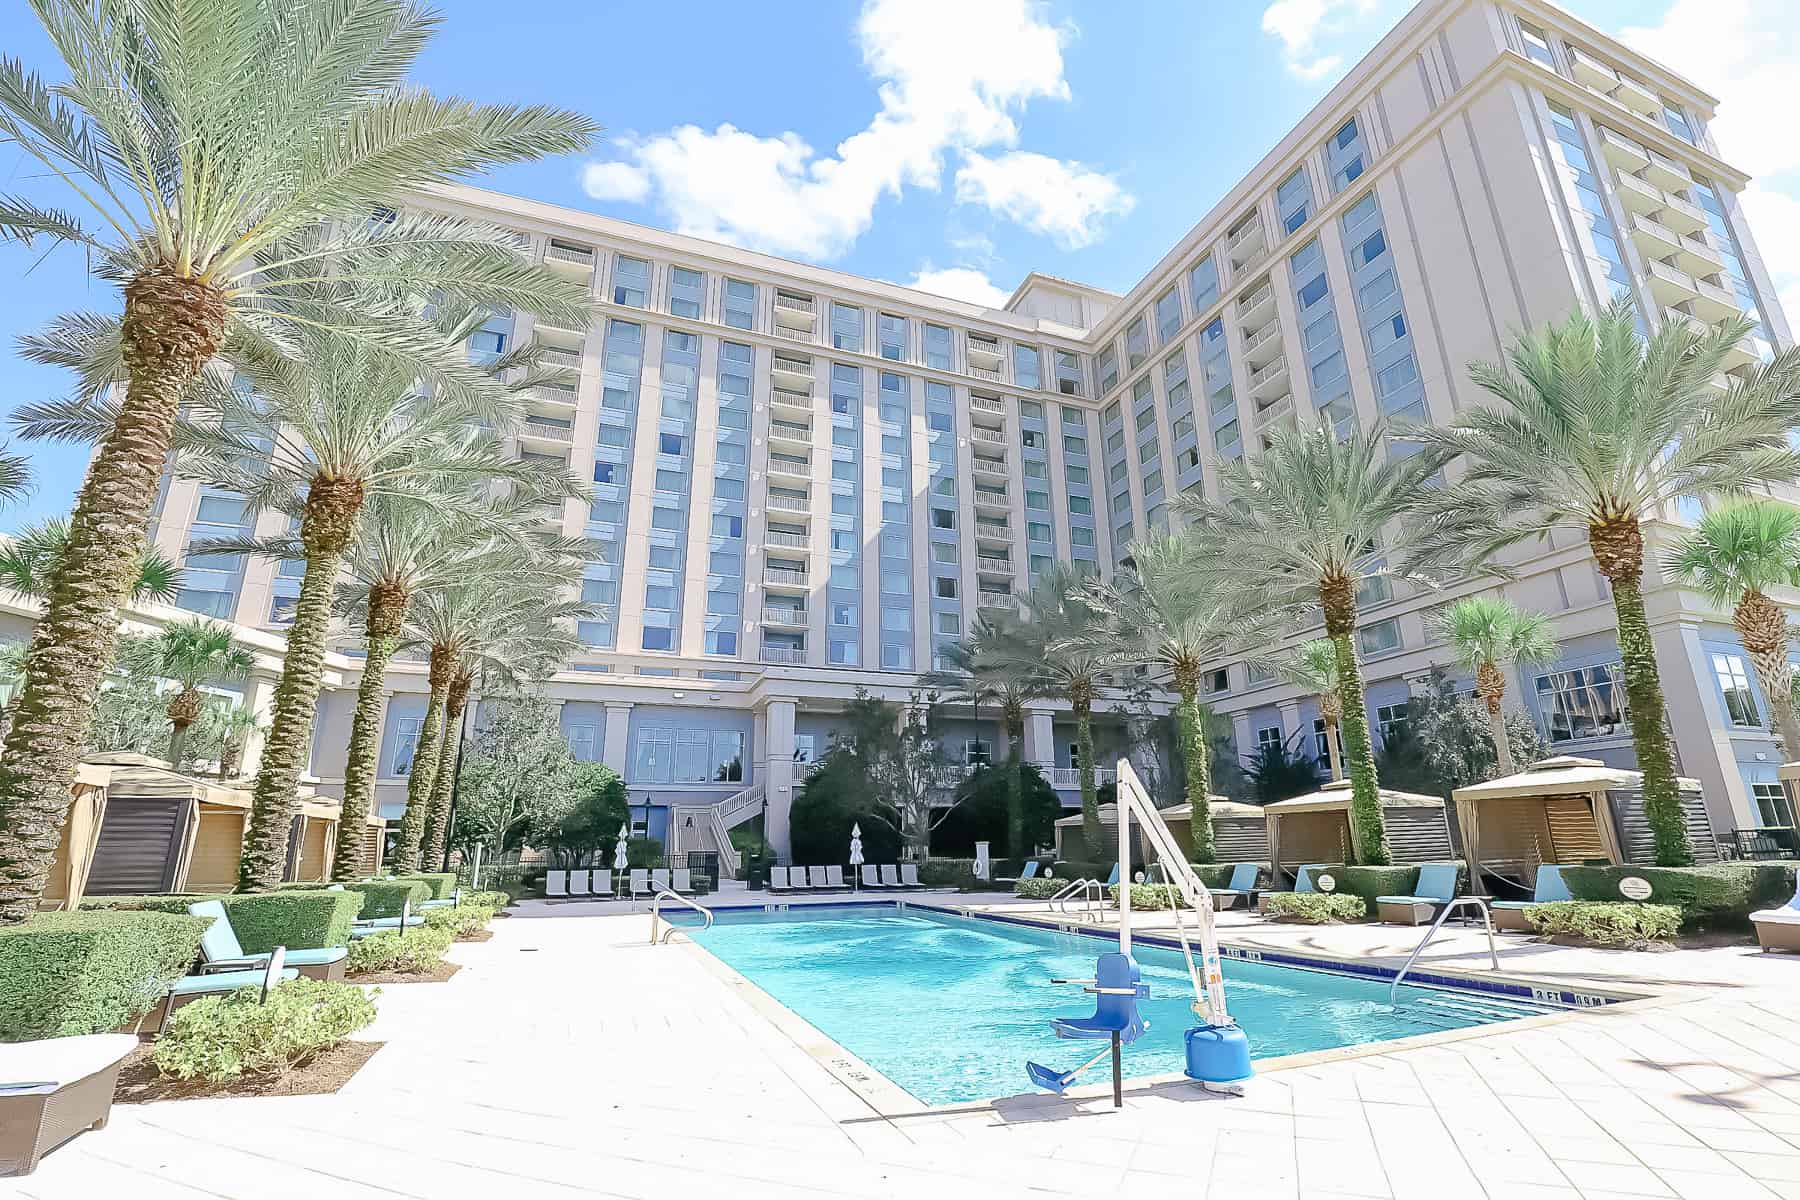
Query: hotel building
[{"x": 808, "y": 482}]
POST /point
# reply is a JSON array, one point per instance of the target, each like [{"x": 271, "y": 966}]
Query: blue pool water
[{"x": 950, "y": 1007}]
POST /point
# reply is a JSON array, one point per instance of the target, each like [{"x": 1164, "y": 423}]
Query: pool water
[{"x": 950, "y": 1007}]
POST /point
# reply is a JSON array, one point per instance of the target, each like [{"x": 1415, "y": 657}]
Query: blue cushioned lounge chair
[
  {"x": 1436, "y": 888},
  {"x": 1242, "y": 887},
  {"x": 220, "y": 949},
  {"x": 1030, "y": 872},
  {"x": 1510, "y": 914}
]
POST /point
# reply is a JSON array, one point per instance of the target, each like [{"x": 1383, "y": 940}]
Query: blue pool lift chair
[
  {"x": 1117, "y": 986},
  {"x": 1509, "y": 915}
]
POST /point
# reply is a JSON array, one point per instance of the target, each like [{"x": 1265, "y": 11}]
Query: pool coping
[{"x": 887, "y": 1100}]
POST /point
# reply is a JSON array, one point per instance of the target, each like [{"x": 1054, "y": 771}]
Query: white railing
[
  {"x": 791, "y": 431},
  {"x": 550, "y": 431},
  {"x": 990, "y": 373},
  {"x": 1267, "y": 372},
  {"x": 990, "y": 496},
  {"x": 793, "y": 399},
  {"x": 792, "y": 334},
  {"x": 790, "y": 655},
  {"x": 785, "y": 576},
  {"x": 995, "y": 600},
  {"x": 1255, "y": 298},
  {"x": 795, "y": 541},
  {"x": 1069, "y": 778},
  {"x": 569, "y": 254},
  {"x": 987, "y": 404},
  {"x": 1267, "y": 333},
  {"x": 1243, "y": 233},
  {"x": 788, "y": 504},
  {"x": 793, "y": 303},
  {"x": 993, "y": 529},
  {"x": 656, "y": 899},
  {"x": 557, "y": 357},
  {"x": 555, "y": 395},
  {"x": 1274, "y": 412},
  {"x": 993, "y": 562},
  {"x": 988, "y": 435},
  {"x": 713, "y": 823},
  {"x": 794, "y": 366},
  {"x": 992, "y": 466},
  {"x": 784, "y": 616}
]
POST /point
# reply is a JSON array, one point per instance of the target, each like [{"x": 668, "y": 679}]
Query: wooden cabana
[
  {"x": 1320, "y": 827},
  {"x": 75, "y": 852},
  {"x": 1568, "y": 811},
  {"x": 1240, "y": 834},
  {"x": 1068, "y": 831}
]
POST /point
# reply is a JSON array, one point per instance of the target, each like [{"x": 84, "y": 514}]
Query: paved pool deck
[{"x": 570, "y": 1057}]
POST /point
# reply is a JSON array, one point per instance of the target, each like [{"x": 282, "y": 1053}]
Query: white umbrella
[
  {"x": 619, "y": 858},
  {"x": 856, "y": 854}
]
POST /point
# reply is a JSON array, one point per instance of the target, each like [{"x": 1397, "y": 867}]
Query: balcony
[
  {"x": 1681, "y": 214},
  {"x": 985, "y": 352},
  {"x": 1622, "y": 152},
  {"x": 1695, "y": 255},
  {"x": 1257, "y": 306},
  {"x": 577, "y": 260},
  {"x": 792, "y": 400},
  {"x": 992, "y": 404},
  {"x": 992, "y": 531},
  {"x": 788, "y": 655},
  {"x": 789, "y": 431},
  {"x": 992, "y": 374},
  {"x": 1263, "y": 345},
  {"x": 794, "y": 313},
  {"x": 996, "y": 601},
  {"x": 792, "y": 367},
  {"x": 1246, "y": 242},
  {"x": 1591, "y": 71},
  {"x": 786, "y": 464},
  {"x": 1670, "y": 285},
  {"x": 1654, "y": 238},
  {"x": 1666, "y": 173},
  {"x": 792, "y": 618},
  {"x": 789, "y": 503},
  {"x": 784, "y": 577},
  {"x": 1712, "y": 302},
  {"x": 1270, "y": 414},
  {"x": 993, "y": 564},
  {"x": 993, "y": 436},
  {"x": 794, "y": 335},
  {"x": 984, "y": 465},
  {"x": 554, "y": 397},
  {"x": 1268, "y": 382},
  {"x": 991, "y": 498},
  {"x": 1638, "y": 195},
  {"x": 547, "y": 431},
  {"x": 1068, "y": 779},
  {"x": 1638, "y": 98},
  {"x": 556, "y": 356},
  {"x": 787, "y": 539},
  {"x": 1743, "y": 353}
]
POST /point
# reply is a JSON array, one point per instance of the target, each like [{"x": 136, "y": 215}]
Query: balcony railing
[
  {"x": 780, "y": 464},
  {"x": 549, "y": 431},
  {"x": 792, "y": 399},
  {"x": 556, "y": 356},
  {"x": 785, "y": 576},
  {"x": 1274, "y": 412},
  {"x": 992, "y": 373},
  {"x": 1067, "y": 779},
  {"x": 555, "y": 395},
  {"x": 988, "y": 435},
  {"x": 987, "y": 404},
  {"x": 996, "y": 600},
  {"x": 990, "y": 496},
  {"x": 579, "y": 256},
  {"x": 790, "y": 503},
  {"x": 784, "y": 616},
  {"x": 993, "y": 562},
  {"x": 1262, "y": 376},
  {"x": 798, "y": 304},
  {"x": 793, "y": 541},
  {"x": 988, "y": 466},
  {"x": 992, "y": 529},
  {"x": 1243, "y": 234},
  {"x": 791, "y": 431},
  {"x": 792, "y": 655}
]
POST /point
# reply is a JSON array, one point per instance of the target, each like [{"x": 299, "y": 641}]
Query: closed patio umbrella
[
  {"x": 619, "y": 859},
  {"x": 856, "y": 854}
]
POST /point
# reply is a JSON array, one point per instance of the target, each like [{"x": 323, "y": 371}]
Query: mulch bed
[
  {"x": 139, "y": 1082},
  {"x": 437, "y": 974},
  {"x": 480, "y": 935}
]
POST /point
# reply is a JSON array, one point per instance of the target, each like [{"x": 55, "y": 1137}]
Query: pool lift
[{"x": 1218, "y": 1054}]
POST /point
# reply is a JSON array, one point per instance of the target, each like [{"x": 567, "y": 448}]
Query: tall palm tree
[
  {"x": 1157, "y": 612},
  {"x": 1305, "y": 524},
  {"x": 30, "y": 559},
  {"x": 1734, "y": 557},
  {"x": 1595, "y": 429},
  {"x": 1486, "y": 633},
  {"x": 190, "y": 653},
  {"x": 983, "y": 669},
  {"x": 1057, "y": 641},
  {"x": 221, "y": 155},
  {"x": 15, "y": 476},
  {"x": 1314, "y": 667}
]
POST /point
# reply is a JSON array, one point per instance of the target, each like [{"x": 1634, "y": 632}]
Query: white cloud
[
  {"x": 1065, "y": 200},
  {"x": 960, "y": 283},
  {"x": 1300, "y": 24},
  {"x": 951, "y": 76}
]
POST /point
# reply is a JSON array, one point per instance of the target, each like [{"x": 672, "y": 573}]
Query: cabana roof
[
  {"x": 1335, "y": 796},
  {"x": 1789, "y": 772},
  {"x": 1561, "y": 775},
  {"x": 1109, "y": 813},
  {"x": 138, "y": 777}
]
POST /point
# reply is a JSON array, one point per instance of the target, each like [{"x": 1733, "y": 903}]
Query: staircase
[{"x": 707, "y": 827}]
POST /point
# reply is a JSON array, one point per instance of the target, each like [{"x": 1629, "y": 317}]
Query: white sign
[
  {"x": 981, "y": 860},
  {"x": 1326, "y": 883},
  {"x": 1635, "y": 887}
]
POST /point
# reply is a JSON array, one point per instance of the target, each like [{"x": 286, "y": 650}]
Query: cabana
[
  {"x": 1319, "y": 827},
  {"x": 1240, "y": 833},
  {"x": 1569, "y": 811},
  {"x": 1068, "y": 830}
]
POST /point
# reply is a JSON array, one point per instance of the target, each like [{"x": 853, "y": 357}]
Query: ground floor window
[
  {"x": 667, "y": 755},
  {"x": 1268, "y": 737},
  {"x": 1733, "y": 677},
  {"x": 1581, "y": 703},
  {"x": 1390, "y": 720},
  {"x": 1772, "y": 806},
  {"x": 978, "y": 752}
]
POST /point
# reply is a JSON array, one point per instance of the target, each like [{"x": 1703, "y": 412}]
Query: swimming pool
[{"x": 949, "y": 1007}]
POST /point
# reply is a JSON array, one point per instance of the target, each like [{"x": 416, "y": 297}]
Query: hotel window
[
  {"x": 1137, "y": 343},
  {"x": 1390, "y": 720},
  {"x": 1294, "y": 200},
  {"x": 406, "y": 744},
  {"x": 1380, "y": 637},
  {"x": 1537, "y": 45},
  {"x": 740, "y": 304},
  {"x": 1068, "y": 373},
  {"x": 1203, "y": 284},
  {"x": 894, "y": 336},
  {"x": 1027, "y": 369},
  {"x": 631, "y": 281},
  {"x": 1168, "y": 315},
  {"x": 1585, "y": 702},
  {"x": 1678, "y": 124},
  {"x": 937, "y": 347},
  {"x": 1268, "y": 737},
  {"x": 1344, "y": 156},
  {"x": 1106, "y": 365},
  {"x": 1734, "y": 688},
  {"x": 1772, "y": 807},
  {"x": 687, "y": 292},
  {"x": 846, "y": 327}
]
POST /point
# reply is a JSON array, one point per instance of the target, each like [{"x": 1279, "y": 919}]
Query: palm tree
[
  {"x": 29, "y": 561},
  {"x": 190, "y": 653},
  {"x": 983, "y": 669},
  {"x": 1157, "y": 612},
  {"x": 223, "y": 155},
  {"x": 1734, "y": 557},
  {"x": 12, "y": 676},
  {"x": 1314, "y": 667},
  {"x": 1303, "y": 525},
  {"x": 1486, "y": 633},
  {"x": 1594, "y": 429},
  {"x": 15, "y": 476},
  {"x": 233, "y": 729},
  {"x": 1057, "y": 641}
]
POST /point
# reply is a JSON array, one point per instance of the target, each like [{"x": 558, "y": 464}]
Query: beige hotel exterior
[{"x": 807, "y": 481}]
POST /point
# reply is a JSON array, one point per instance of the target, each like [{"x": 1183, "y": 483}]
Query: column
[
  {"x": 778, "y": 770},
  {"x": 1243, "y": 741},
  {"x": 1040, "y": 738},
  {"x": 260, "y": 698},
  {"x": 615, "y": 737},
  {"x": 1703, "y": 749},
  {"x": 1290, "y": 723}
]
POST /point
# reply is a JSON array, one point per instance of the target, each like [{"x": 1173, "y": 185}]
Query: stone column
[
  {"x": 778, "y": 771},
  {"x": 1697, "y": 719},
  {"x": 1290, "y": 723},
  {"x": 1040, "y": 738},
  {"x": 615, "y": 743},
  {"x": 260, "y": 698}
]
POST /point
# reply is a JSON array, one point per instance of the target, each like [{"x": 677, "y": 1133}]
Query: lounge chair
[
  {"x": 659, "y": 877},
  {"x": 1242, "y": 887},
  {"x": 1779, "y": 928},
  {"x": 53, "y": 1089},
  {"x": 640, "y": 882},
  {"x": 578, "y": 883},
  {"x": 890, "y": 876},
  {"x": 220, "y": 949},
  {"x": 1436, "y": 888},
  {"x": 603, "y": 885},
  {"x": 192, "y": 987},
  {"x": 1113, "y": 876},
  {"x": 909, "y": 876},
  {"x": 797, "y": 880},
  {"x": 1030, "y": 872},
  {"x": 556, "y": 883},
  {"x": 1303, "y": 882},
  {"x": 871, "y": 878},
  {"x": 450, "y": 901},
  {"x": 834, "y": 879},
  {"x": 681, "y": 881},
  {"x": 1509, "y": 915},
  {"x": 374, "y": 925},
  {"x": 817, "y": 879},
  {"x": 778, "y": 879}
]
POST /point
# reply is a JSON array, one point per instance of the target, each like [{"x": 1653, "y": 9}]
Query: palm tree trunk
[
  {"x": 1196, "y": 758},
  {"x": 326, "y": 526},
  {"x": 425, "y": 764},
  {"x": 1091, "y": 831},
  {"x": 1337, "y": 596},
  {"x": 1013, "y": 717},
  {"x": 1490, "y": 685},
  {"x": 437, "y": 819},
  {"x": 1332, "y": 753},
  {"x": 178, "y": 734},
  {"x": 387, "y": 607},
  {"x": 1618, "y": 546},
  {"x": 182, "y": 712},
  {"x": 170, "y": 329},
  {"x": 1762, "y": 627}
]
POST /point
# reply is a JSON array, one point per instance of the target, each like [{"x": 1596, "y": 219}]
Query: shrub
[
  {"x": 947, "y": 872},
  {"x": 1149, "y": 897},
  {"x": 465, "y": 920},
  {"x": 493, "y": 900},
  {"x": 1721, "y": 894},
  {"x": 1213, "y": 875},
  {"x": 300, "y": 919},
  {"x": 1370, "y": 882},
  {"x": 439, "y": 883},
  {"x": 648, "y": 852},
  {"x": 1071, "y": 869},
  {"x": 385, "y": 897},
  {"x": 63, "y": 974},
  {"x": 1039, "y": 889},
  {"x": 419, "y": 950},
  {"x": 221, "y": 1037},
  {"x": 1314, "y": 908},
  {"x": 1607, "y": 923}
]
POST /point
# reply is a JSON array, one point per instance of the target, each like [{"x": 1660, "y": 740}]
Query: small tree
[
  {"x": 591, "y": 828},
  {"x": 190, "y": 653},
  {"x": 521, "y": 781},
  {"x": 887, "y": 770},
  {"x": 1276, "y": 773},
  {"x": 1452, "y": 735},
  {"x": 128, "y": 712},
  {"x": 1315, "y": 667},
  {"x": 1487, "y": 633}
]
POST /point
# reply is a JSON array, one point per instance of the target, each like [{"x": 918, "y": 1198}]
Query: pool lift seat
[{"x": 1117, "y": 986}]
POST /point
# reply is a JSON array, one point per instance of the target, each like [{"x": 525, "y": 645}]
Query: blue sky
[{"x": 957, "y": 144}]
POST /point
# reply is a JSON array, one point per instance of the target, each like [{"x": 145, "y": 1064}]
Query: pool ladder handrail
[
  {"x": 1087, "y": 890},
  {"x": 1455, "y": 903},
  {"x": 656, "y": 899}
]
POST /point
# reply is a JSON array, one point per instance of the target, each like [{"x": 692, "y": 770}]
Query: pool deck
[{"x": 570, "y": 1058}]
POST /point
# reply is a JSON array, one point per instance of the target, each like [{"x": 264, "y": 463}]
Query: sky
[{"x": 953, "y": 145}]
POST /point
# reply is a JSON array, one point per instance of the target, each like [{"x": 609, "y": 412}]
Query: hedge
[
  {"x": 1721, "y": 894},
  {"x": 1314, "y": 908},
  {"x": 1039, "y": 889},
  {"x": 1148, "y": 897},
  {"x": 384, "y": 897},
  {"x": 298, "y": 918},
  {"x": 1607, "y": 923},
  {"x": 221, "y": 1037},
  {"x": 948, "y": 872},
  {"x": 440, "y": 883},
  {"x": 63, "y": 974}
]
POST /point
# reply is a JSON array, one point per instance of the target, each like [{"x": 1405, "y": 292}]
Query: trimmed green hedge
[
  {"x": 1723, "y": 894},
  {"x": 1147, "y": 896},
  {"x": 383, "y": 898},
  {"x": 63, "y": 974},
  {"x": 948, "y": 872},
  {"x": 1314, "y": 908},
  {"x": 1607, "y": 923},
  {"x": 1039, "y": 889},
  {"x": 298, "y": 918},
  {"x": 221, "y": 1037},
  {"x": 440, "y": 883}
]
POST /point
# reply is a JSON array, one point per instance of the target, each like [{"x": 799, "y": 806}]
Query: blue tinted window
[
  {"x": 1313, "y": 292},
  {"x": 1347, "y": 134}
]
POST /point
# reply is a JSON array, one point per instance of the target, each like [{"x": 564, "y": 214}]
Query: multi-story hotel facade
[{"x": 808, "y": 482}]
